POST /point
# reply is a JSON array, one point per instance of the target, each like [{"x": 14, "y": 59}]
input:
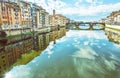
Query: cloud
[
  {"x": 86, "y": 53},
  {"x": 49, "y": 5},
  {"x": 89, "y": 1},
  {"x": 90, "y": 10},
  {"x": 79, "y": 8},
  {"x": 94, "y": 2}
]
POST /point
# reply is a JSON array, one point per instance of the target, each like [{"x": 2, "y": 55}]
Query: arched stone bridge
[{"x": 77, "y": 25}]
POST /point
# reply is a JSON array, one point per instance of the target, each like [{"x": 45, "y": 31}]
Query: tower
[{"x": 53, "y": 12}]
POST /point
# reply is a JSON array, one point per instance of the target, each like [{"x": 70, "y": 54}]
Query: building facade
[
  {"x": 57, "y": 19},
  {"x": 42, "y": 17},
  {"x": 10, "y": 17},
  {"x": 4, "y": 14},
  {"x": 113, "y": 18},
  {"x": 117, "y": 18},
  {"x": 47, "y": 19},
  {"x": 24, "y": 27},
  {"x": 26, "y": 14}
]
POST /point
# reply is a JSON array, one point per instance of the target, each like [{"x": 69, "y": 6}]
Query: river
[{"x": 79, "y": 54}]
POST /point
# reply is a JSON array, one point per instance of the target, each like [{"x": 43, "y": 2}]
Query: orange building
[
  {"x": 4, "y": 14},
  {"x": 10, "y": 17},
  {"x": 14, "y": 14}
]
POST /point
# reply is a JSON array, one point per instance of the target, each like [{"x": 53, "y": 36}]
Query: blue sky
[{"x": 81, "y": 10}]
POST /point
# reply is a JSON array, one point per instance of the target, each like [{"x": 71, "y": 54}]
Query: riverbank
[
  {"x": 22, "y": 50},
  {"x": 67, "y": 58},
  {"x": 26, "y": 58},
  {"x": 114, "y": 27}
]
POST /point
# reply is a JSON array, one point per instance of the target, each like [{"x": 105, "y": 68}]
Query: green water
[{"x": 79, "y": 54}]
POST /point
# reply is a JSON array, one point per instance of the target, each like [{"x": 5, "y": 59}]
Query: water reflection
[
  {"x": 80, "y": 54},
  {"x": 84, "y": 26},
  {"x": 113, "y": 36}
]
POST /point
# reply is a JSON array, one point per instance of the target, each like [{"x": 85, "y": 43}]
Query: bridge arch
[{"x": 77, "y": 25}]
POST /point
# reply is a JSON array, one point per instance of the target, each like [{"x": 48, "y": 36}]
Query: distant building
[
  {"x": 113, "y": 18},
  {"x": 67, "y": 20},
  {"x": 102, "y": 21},
  {"x": 57, "y": 19},
  {"x": 60, "y": 20},
  {"x": 117, "y": 18}
]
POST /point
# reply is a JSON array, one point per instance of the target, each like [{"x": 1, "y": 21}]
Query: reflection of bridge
[{"x": 77, "y": 25}]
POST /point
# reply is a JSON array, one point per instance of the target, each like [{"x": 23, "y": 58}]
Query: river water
[{"x": 79, "y": 54}]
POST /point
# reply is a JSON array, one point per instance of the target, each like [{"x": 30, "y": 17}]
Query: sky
[{"x": 80, "y": 10}]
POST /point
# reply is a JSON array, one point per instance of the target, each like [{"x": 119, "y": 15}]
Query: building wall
[
  {"x": 0, "y": 17},
  {"x": 4, "y": 15},
  {"x": 13, "y": 52},
  {"x": 20, "y": 39},
  {"x": 57, "y": 19},
  {"x": 10, "y": 17},
  {"x": 26, "y": 14},
  {"x": 113, "y": 18},
  {"x": 33, "y": 16},
  {"x": 41, "y": 17},
  {"x": 47, "y": 20},
  {"x": 118, "y": 18},
  {"x": 52, "y": 20},
  {"x": 38, "y": 19}
]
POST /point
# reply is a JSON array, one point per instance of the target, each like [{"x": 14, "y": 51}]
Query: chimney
[{"x": 53, "y": 12}]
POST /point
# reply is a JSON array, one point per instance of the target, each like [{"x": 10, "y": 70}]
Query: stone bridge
[{"x": 77, "y": 25}]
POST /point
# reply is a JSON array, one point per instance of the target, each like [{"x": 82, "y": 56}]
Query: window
[
  {"x": 3, "y": 61},
  {"x": 3, "y": 8},
  {"x": 4, "y": 65},
  {"x": 16, "y": 14},
  {"x": 3, "y": 57}
]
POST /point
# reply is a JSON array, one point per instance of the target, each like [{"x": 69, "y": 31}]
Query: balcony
[{"x": 5, "y": 26}]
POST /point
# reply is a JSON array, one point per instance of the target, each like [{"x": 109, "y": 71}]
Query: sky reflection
[{"x": 79, "y": 54}]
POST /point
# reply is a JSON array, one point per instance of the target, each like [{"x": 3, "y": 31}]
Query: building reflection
[
  {"x": 113, "y": 35},
  {"x": 12, "y": 48}
]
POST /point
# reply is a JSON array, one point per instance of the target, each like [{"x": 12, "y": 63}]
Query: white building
[
  {"x": 117, "y": 18},
  {"x": 26, "y": 14},
  {"x": 47, "y": 19}
]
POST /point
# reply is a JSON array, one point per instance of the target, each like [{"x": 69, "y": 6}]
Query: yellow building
[
  {"x": 113, "y": 18},
  {"x": 117, "y": 18},
  {"x": 60, "y": 20},
  {"x": 15, "y": 20},
  {"x": 14, "y": 16},
  {"x": 57, "y": 19}
]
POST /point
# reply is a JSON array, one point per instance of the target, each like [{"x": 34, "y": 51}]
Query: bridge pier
[
  {"x": 77, "y": 27},
  {"x": 91, "y": 26}
]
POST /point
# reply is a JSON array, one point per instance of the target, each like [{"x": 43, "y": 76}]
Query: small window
[
  {"x": 3, "y": 57},
  {"x": 3, "y": 61},
  {"x": 4, "y": 65}
]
